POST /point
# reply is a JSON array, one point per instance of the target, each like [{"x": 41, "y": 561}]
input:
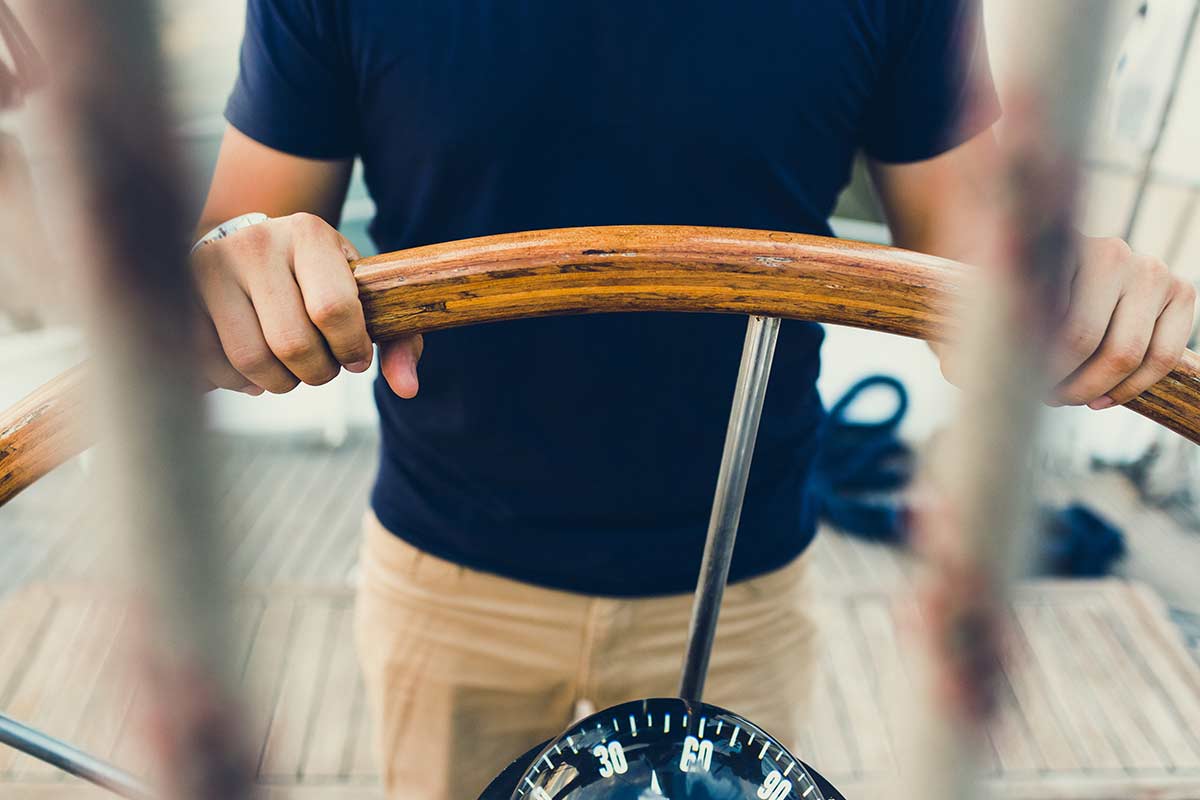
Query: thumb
[
  {"x": 948, "y": 361},
  {"x": 398, "y": 362}
]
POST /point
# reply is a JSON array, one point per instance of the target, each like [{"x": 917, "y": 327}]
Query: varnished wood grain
[
  {"x": 649, "y": 268},
  {"x": 668, "y": 268},
  {"x": 622, "y": 268},
  {"x": 42, "y": 431}
]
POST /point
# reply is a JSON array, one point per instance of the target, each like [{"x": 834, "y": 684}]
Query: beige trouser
[{"x": 466, "y": 670}]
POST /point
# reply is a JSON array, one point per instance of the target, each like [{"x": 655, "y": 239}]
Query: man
[{"x": 541, "y": 501}]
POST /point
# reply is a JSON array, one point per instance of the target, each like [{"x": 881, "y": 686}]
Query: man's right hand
[{"x": 282, "y": 309}]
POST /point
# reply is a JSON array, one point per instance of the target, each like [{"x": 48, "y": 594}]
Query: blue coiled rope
[{"x": 862, "y": 468}]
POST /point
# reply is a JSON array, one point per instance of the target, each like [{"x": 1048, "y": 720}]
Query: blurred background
[{"x": 297, "y": 468}]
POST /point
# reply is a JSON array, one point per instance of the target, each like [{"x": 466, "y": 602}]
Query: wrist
[{"x": 228, "y": 228}]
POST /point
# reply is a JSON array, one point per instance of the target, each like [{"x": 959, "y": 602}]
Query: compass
[{"x": 661, "y": 749}]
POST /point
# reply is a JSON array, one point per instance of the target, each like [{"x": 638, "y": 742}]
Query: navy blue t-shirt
[{"x": 582, "y": 452}]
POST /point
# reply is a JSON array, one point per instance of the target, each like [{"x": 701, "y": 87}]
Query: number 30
[{"x": 612, "y": 759}]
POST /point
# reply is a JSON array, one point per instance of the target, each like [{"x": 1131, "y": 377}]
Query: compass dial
[{"x": 666, "y": 749}]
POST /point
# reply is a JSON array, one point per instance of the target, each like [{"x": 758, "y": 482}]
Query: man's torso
[{"x": 581, "y": 452}]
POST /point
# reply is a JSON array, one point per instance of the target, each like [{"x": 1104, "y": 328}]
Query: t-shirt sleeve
[
  {"x": 935, "y": 88},
  {"x": 295, "y": 88}
]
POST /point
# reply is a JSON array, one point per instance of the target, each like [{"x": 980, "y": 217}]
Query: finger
[
  {"x": 1095, "y": 292},
  {"x": 398, "y": 362},
  {"x": 331, "y": 299},
  {"x": 220, "y": 374},
  {"x": 289, "y": 332},
  {"x": 215, "y": 367},
  {"x": 348, "y": 249},
  {"x": 1167, "y": 344},
  {"x": 949, "y": 362},
  {"x": 1122, "y": 349},
  {"x": 242, "y": 337}
]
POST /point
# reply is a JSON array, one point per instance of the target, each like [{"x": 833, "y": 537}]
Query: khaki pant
[{"x": 466, "y": 670}]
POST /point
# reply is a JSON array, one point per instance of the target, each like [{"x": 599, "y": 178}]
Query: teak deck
[
  {"x": 1106, "y": 706},
  {"x": 1102, "y": 702}
]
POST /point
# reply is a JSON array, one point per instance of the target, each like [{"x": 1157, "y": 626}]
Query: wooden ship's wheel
[
  {"x": 609, "y": 269},
  {"x": 767, "y": 275}
]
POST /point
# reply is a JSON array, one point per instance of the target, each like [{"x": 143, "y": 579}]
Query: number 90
[{"x": 774, "y": 787}]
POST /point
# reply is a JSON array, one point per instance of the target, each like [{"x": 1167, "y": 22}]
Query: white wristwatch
[{"x": 229, "y": 227}]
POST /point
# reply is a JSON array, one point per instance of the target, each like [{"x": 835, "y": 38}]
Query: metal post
[
  {"x": 70, "y": 759},
  {"x": 755, "y": 370}
]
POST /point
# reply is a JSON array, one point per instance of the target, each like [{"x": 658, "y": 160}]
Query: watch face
[{"x": 659, "y": 749}]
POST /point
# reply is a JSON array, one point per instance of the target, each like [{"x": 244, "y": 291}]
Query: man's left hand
[{"x": 1127, "y": 323}]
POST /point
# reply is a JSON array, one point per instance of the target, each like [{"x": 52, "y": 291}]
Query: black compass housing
[{"x": 661, "y": 749}]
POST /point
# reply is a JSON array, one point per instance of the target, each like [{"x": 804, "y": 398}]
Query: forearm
[
  {"x": 252, "y": 177},
  {"x": 938, "y": 207}
]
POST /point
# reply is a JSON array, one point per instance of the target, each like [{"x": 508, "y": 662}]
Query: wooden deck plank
[
  {"x": 848, "y": 561},
  {"x": 1060, "y": 675},
  {"x": 881, "y": 562},
  {"x": 247, "y": 617},
  {"x": 26, "y": 533},
  {"x": 335, "y": 560},
  {"x": 62, "y": 710},
  {"x": 312, "y": 534},
  {"x": 79, "y": 791},
  {"x": 89, "y": 549},
  {"x": 888, "y": 679},
  {"x": 107, "y": 709},
  {"x": 24, "y": 618},
  {"x": 833, "y": 748},
  {"x": 288, "y": 528},
  {"x": 261, "y": 682},
  {"x": 826, "y": 571},
  {"x": 345, "y": 558},
  {"x": 853, "y": 684},
  {"x": 1177, "y": 742},
  {"x": 241, "y": 497},
  {"x": 259, "y": 525},
  {"x": 1112, "y": 696},
  {"x": 45, "y": 672},
  {"x": 1034, "y": 703},
  {"x": 249, "y": 500},
  {"x": 308, "y": 715},
  {"x": 1091, "y": 684},
  {"x": 329, "y": 753},
  {"x": 131, "y": 751},
  {"x": 1161, "y": 650},
  {"x": 339, "y": 481},
  {"x": 1009, "y": 735},
  {"x": 362, "y": 759},
  {"x": 308, "y": 659}
]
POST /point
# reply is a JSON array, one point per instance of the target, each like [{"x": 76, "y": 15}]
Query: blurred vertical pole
[
  {"x": 973, "y": 520},
  {"x": 125, "y": 232}
]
